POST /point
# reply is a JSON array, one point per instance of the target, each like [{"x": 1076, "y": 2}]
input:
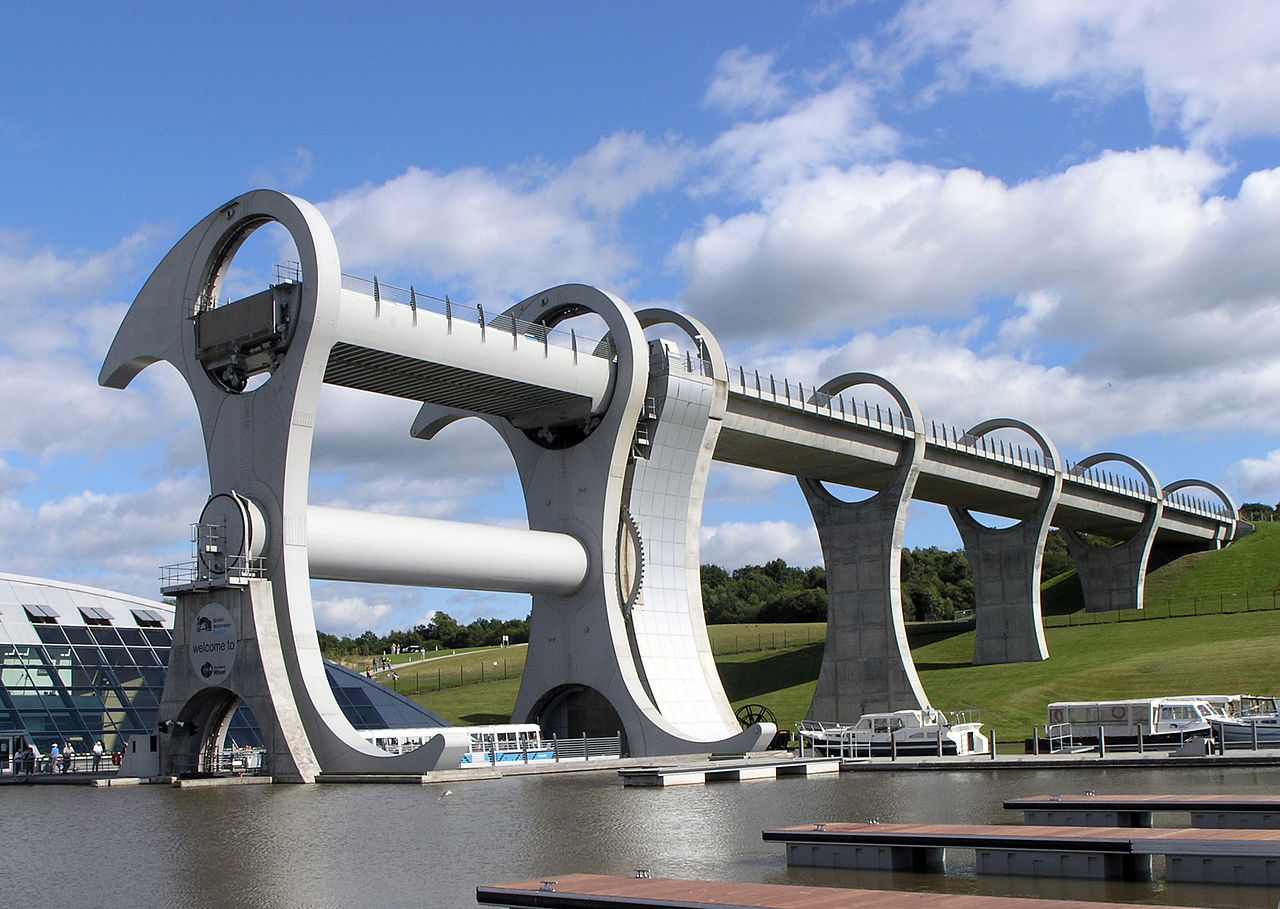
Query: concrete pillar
[
  {"x": 1006, "y": 565},
  {"x": 866, "y": 665},
  {"x": 1114, "y": 578}
]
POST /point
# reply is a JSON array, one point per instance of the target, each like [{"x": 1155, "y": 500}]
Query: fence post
[{"x": 586, "y": 756}]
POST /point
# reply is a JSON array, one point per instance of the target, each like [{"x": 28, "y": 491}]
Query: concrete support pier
[
  {"x": 1006, "y": 565},
  {"x": 1114, "y": 578},
  {"x": 866, "y": 665}
]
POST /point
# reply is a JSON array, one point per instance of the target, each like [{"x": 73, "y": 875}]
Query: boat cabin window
[{"x": 1174, "y": 712}]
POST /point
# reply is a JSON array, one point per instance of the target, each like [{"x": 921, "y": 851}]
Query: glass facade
[{"x": 81, "y": 665}]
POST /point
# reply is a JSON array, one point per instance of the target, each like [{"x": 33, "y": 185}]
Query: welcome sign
[{"x": 213, "y": 644}]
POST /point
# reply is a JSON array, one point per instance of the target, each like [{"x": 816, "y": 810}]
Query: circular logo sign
[{"x": 213, "y": 643}]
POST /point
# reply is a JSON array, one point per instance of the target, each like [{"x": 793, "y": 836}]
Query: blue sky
[{"x": 1063, "y": 212}]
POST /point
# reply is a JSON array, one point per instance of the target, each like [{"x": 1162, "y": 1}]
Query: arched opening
[
  {"x": 215, "y": 734},
  {"x": 570, "y": 711},
  {"x": 248, "y": 307}
]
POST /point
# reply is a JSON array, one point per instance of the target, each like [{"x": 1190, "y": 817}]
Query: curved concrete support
[
  {"x": 1006, "y": 565},
  {"x": 632, "y": 637},
  {"x": 258, "y": 443},
  {"x": 866, "y": 665},
  {"x": 1162, "y": 553},
  {"x": 667, "y": 624},
  {"x": 1114, "y": 578}
]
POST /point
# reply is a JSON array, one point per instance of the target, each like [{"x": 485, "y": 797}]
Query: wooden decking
[
  {"x": 1238, "y": 811},
  {"x": 593, "y": 891}
]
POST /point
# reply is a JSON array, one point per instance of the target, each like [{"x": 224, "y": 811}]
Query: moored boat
[
  {"x": 904, "y": 732},
  {"x": 1146, "y": 722}
]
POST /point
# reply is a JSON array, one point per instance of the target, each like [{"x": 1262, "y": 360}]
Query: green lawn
[
  {"x": 1220, "y": 654},
  {"x": 1139, "y": 655}
]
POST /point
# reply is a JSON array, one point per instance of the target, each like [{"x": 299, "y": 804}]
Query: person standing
[
  {"x": 68, "y": 753},
  {"x": 97, "y": 755},
  {"x": 53, "y": 757}
]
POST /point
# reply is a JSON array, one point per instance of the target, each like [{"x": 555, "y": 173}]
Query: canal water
[{"x": 400, "y": 846}]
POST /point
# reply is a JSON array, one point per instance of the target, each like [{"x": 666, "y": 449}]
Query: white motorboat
[
  {"x": 905, "y": 732},
  {"x": 1249, "y": 718}
]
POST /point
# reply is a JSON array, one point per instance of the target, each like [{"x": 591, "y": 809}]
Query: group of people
[{"x": 60, "y": 760}]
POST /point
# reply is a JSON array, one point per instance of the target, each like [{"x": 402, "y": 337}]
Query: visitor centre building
[{"x": 80, "y": 665}]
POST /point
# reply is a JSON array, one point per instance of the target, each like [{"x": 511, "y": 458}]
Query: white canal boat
[
  {"x": 903, "y": 732},
  {"x": 1154, "y": 721}
]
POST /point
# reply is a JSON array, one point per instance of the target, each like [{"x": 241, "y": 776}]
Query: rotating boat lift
[
  {"x": 613, "y": 446},
  {"x": 613, "y": 442}
]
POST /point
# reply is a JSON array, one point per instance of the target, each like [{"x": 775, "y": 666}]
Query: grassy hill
[{"x": 1224, "y": 652}]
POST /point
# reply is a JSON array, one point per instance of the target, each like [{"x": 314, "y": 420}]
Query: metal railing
[
  {"x": 502, "y": 325},
  {"x": 584, "y": 747},
  {"x": 786, "y": 393},
  {"x": 239, "y": 570}
]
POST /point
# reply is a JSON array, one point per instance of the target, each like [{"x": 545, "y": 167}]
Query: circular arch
[
  {"x": 911, "y": 452},
  {"x": 1047, "y": 448},
  {"x": 1221, "y": 493},
  {"x": 556, "y": 304},
  {"x": 1048, "y": 495},
  {"x": 1103, "y": 456},
  {"x": 708, "y": 347}
]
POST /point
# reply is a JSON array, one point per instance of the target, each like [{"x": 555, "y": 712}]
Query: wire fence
[{"x": 1174, "y": 608}]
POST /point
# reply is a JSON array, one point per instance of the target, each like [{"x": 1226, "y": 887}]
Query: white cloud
[
  {"x": 288, "y": 171},
  {"x": 734, "y": 544},
  {"x": 506, "y": 233},
  {"x": 1131, "y": 257},
  {"x": 350, "y": 616},
  {"x": 1209, "y": 69},
  {"x": 746, "y": 83},
  {"x": 114, "y": 541},
  {"x": 1256, "y": 479}
]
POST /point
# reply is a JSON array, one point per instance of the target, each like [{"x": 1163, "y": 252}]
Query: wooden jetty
[
  {"x": 1089, "y": 809},
  {"x": 1230, "y": 856},
  {"x": 595, "y": 891}
]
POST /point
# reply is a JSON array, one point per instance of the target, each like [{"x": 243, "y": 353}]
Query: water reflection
[{"x": 373, "y": 846}]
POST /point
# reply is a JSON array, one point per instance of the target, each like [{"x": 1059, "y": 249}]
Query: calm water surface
[{"x": 376, "y": 846}]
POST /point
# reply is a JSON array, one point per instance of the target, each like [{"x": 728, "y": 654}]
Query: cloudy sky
[{"x": 1064, "y": 212}]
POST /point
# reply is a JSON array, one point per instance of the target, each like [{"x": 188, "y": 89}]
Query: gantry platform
[
  {"x": 1089, "y": 809},
  {"x": 726, "y": 772},
  {"x": 1230, "y": 856}
]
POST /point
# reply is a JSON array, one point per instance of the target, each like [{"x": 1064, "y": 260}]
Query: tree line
[
  {"x": 937, "y": 584},
  {"x": 443, "y": 632}
]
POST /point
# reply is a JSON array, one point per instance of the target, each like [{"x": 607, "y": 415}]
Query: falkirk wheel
[{"x": 612, "y": 441}]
